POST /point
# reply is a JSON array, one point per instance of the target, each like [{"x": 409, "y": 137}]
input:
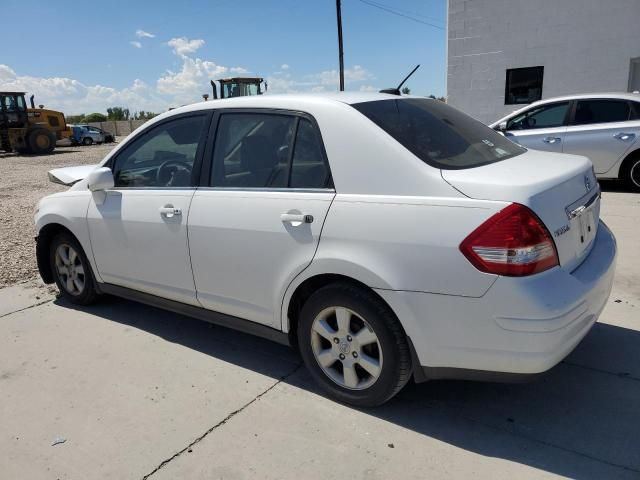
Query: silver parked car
[
  {"x": 604, "y": 127},
  {"x": 86, "y": 135}
]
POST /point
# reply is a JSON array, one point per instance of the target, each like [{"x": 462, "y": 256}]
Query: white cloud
[
  {"x": 173, "y": 88},
  {"x": 182, "y": 46},
  {"x": 284, "y": 66},
  {"x": 193, "y": 77},
  {"x": 368, "y": 88},
  {"x": 143, "y": 34},
  {"x": 72, "y": 97},
  {"x": 355, "y": 74},
  {"x": 136, "y": 44}
]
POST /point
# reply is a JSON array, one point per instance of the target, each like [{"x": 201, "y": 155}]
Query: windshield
[{"x": 438, "y": 134}]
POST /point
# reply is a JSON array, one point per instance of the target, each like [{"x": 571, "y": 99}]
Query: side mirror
[
  {"x": 502, "y": 127},
  {"x": 100, "y": 179}
]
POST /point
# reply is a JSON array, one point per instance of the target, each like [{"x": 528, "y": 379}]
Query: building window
[{"x": 523, "y": 85}]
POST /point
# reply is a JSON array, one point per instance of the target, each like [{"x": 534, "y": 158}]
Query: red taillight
[{"x": 513, "y": 242}]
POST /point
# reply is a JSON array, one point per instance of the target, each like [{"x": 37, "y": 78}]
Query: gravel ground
[{"x": 23, "y": 182}]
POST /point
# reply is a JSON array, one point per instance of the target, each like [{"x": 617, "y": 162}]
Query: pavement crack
[
  {"x": 222, "y": 422},
  {"x": 625, "y": 375},
  {"x": 27, "y": 308}
]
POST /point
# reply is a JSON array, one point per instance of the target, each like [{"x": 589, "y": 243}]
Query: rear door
[
  {"x": 603, "y": 130},
  {"x": 256, "y": 222},
  {"x": 541, "y": 127}
]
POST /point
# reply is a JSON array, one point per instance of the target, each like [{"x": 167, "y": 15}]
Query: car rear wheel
[
  {"x": 87, "y": 141},
  {"x": 353, "y": 345},
  {"x": 71, "y": 270},
  {"x": 632, "y": 174}
]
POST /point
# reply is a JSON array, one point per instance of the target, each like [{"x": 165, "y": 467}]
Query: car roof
[
  {"x": 580, "y": 96},
  {"x": 285, "y": 101}
]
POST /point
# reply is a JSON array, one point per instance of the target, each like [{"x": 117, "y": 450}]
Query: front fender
[{"x": 69, "y": 210}]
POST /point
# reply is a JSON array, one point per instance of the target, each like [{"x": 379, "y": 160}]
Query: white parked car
[
  {"x": 605, "y": 127},
  {"x": 385, "y": 237}
]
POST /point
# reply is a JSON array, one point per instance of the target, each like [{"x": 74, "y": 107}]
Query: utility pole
[{"x": 340, "y": 51}]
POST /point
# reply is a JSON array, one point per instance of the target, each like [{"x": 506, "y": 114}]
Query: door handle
[
  {"x": 170, "y": 211},
  {"x": 551, "y": 139},
  {"x": 624, "y": 136},
  {"x": 296, "y": 218}
]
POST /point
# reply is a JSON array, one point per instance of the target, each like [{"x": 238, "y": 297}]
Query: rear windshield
[{"x": 438, "y": 134}]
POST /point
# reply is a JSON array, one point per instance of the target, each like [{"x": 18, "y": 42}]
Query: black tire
[
  {"x": 88, "y": 293},
  {"x": 631, "y": 174},
  {"x": 41, "y": 141},
  {"x": 396, "y": 365},
  {"x": 87, "y": 141}
]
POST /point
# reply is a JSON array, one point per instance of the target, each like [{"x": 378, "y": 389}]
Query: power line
[
  {"x": 398, "y": 13},
  {"x": 407, "y": 12}
]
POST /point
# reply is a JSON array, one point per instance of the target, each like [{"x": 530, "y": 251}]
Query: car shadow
[
  {"x": 57, "y": 151},
  {"x": 581, "y": 420},
  {"x": 614, "y": 186}
]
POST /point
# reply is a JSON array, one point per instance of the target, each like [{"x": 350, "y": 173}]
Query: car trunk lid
[{"x": 560, "y": 189}]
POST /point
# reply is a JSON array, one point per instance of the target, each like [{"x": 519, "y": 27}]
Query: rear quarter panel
[{"x": 401, "y": 243}]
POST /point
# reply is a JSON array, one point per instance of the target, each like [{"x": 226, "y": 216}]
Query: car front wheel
[
  {"x": 71, "y": 270},
  {"x": 353, "y": 345}
]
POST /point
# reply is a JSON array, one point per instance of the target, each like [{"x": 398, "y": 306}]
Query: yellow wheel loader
[{"x": 29, "y": 130}]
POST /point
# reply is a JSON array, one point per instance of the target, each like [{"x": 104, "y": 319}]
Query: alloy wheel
[
  {"x": 70, "y": 269},
  {"x": 346, "y": 348}
]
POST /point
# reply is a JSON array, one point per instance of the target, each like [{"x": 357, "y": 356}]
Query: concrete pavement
[{"x": 141, "y": 393}]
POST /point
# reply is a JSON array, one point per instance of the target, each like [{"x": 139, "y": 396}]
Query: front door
[
  {"x": 139, "y": 228},
  {"x": 257, "y": 224},
  {"x": 541, "y": 127},
  {"x": 603, "y": 130}
]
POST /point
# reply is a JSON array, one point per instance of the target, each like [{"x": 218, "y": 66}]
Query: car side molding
[{"x": 199, "y": 313}]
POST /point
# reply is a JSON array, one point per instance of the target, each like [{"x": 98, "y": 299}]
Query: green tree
[
  {"x": 94, "y": 117},
  {"x": 117, "y": 113},
  {"x": 406, "y": 90},
  {"x": 142, "y": 115},
  {"x": 75, "y": 118}
]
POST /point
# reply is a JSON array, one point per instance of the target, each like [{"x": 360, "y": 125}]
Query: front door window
[
  {"x": 162, "y": 157},
  {"x": 544, "y": 116}
]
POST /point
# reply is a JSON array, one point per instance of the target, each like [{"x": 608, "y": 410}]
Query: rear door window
[
  {"x": 601, "y": 111},
  {"x": 268, "y": 150},
  {"x": 309, "y": 167},
  {"x": 438, "y": 134},
  {"x": 252, "y": 150}
]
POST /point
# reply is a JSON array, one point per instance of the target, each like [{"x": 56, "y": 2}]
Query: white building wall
[{"x": 584, "y": 46}]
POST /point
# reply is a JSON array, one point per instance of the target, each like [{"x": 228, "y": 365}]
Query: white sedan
[{"x": 385, "y": 237}]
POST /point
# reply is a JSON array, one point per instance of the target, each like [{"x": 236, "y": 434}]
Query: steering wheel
[{"x": 167, "y": 172}]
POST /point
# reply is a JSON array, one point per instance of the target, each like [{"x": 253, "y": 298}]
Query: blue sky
[{"x": 152, "y": 55}]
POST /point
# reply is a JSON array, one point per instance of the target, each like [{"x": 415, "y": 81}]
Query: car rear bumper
[{"x": 520, "y": 326}]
